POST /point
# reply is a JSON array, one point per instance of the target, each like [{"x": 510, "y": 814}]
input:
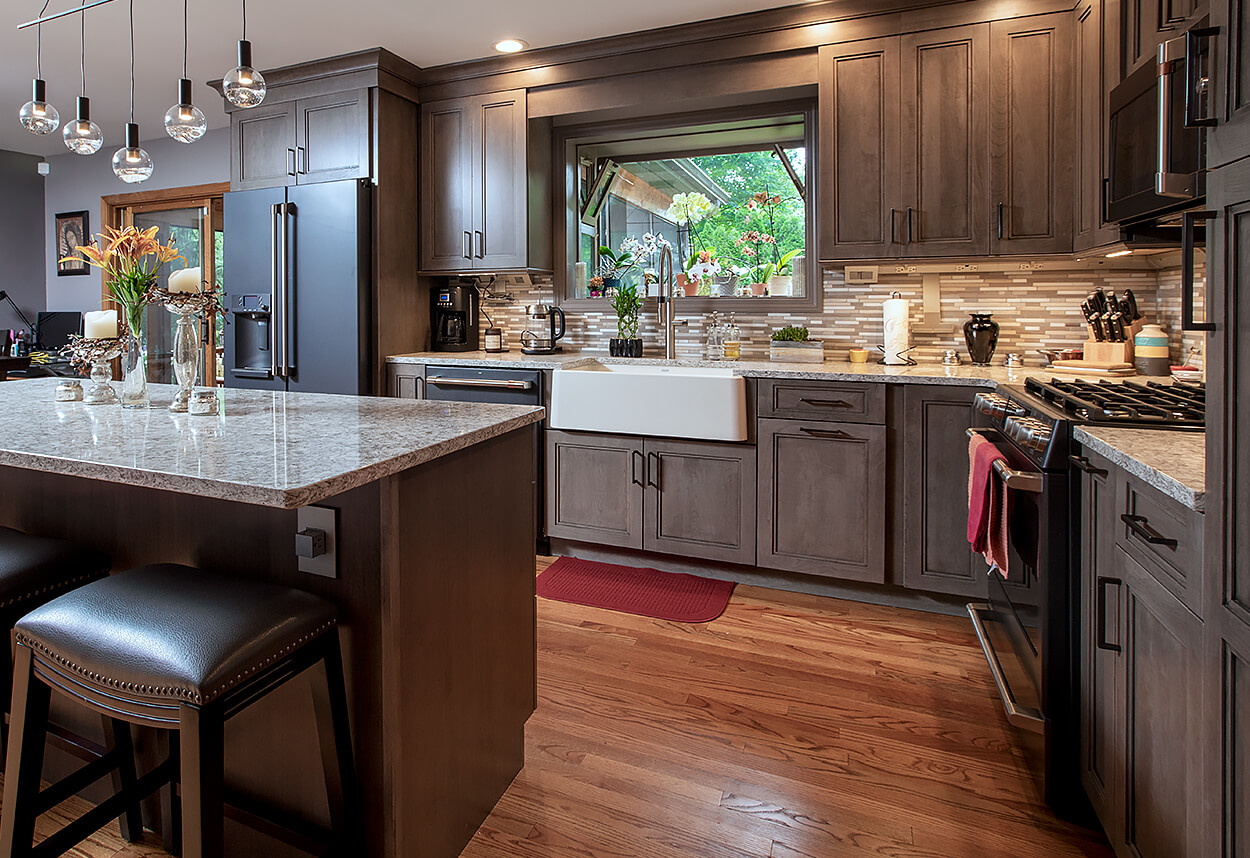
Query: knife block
[{"x": 1097, "y": 352}]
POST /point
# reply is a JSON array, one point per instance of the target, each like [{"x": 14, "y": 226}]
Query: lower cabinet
[
  {"x": 822, "y": 498},
  {"x": 406, "y": 381},
  {"x": 689, "y": 498}
]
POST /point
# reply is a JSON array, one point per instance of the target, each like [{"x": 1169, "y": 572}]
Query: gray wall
[
  {"x": 78, "y": 183},
  {"x": 21, "y": 237}
]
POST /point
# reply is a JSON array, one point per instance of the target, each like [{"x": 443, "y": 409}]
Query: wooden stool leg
[
  {"x": 117, "y": 738},
  {"x": 200, "y": 734},
  {"x": 27, "y": 734},
  {"x": 171, "y": 806},
  {"x": 334, "y": 732}
]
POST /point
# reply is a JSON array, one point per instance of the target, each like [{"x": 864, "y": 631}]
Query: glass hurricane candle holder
[
  {"x": 100, "y": 353},
  {"x": 186, "y": 357}
]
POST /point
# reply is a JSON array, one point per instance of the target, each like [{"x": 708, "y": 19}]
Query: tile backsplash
[{"x": 1034, "y": 309}]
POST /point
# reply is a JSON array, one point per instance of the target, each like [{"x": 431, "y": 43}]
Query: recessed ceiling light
[{"x": 510, "y": 46}]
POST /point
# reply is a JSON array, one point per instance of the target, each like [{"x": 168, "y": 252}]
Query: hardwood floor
[{"x": 790, "y": 727}]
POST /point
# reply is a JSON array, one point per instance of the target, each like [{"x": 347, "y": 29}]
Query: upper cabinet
[
  {"x": 951, "y": 142},
  {"x": 1230, "y": 139},
  {"x": 485, "y": 203},
  {"x": 317, "y": 139},
  {"x": 1097, "y": 63},
  {"x": 1145, "y": 24}
]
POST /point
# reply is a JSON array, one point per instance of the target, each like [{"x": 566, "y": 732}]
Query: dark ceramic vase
[
  {"x": 625, "y": 347},
  {"x": 981, "y": 335}
]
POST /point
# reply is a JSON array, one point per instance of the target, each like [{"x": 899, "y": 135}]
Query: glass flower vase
[
  {"x": 186, "y": 359},
  {"x": 135, "y": 371}
]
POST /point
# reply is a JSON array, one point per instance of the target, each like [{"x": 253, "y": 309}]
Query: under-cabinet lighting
[
  {"x": 1118, "y": 253},
  {"x": 511, "y": 46}
]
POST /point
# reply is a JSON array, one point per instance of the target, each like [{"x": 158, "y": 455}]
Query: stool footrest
[
  {"x": 76, "y": 781},
  {"x": 100, "y": 815},
  {"x": 279, "y": 824}
]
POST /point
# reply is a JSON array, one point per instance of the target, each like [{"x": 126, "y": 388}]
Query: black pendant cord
[
  {"x": 185, "y": 3},
  {"x": 132, "y": 62},
  {"x": 39, "y": 43},
  {"x": 244, "y": 19},
  {"x": 82, "y": 50}
]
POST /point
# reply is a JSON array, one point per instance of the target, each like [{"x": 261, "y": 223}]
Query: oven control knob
[{"x": 989, "y": 403}]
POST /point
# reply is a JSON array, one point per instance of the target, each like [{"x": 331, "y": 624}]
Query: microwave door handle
[
  {"x": 1197, "y": 84},
  {"x": 1167, "y": 183}
]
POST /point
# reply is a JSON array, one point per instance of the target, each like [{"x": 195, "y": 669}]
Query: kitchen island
[{"x": 434, "y": 517}]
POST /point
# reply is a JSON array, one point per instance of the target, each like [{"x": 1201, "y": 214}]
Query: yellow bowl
[{"x": 858, "y": 355}]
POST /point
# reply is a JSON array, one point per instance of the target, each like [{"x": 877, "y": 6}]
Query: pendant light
[
  {"x": 82, "y": 136},
  {"x": 37, "y": 116},
  {"x": 243, "y": 86},
  {"x": 184, "y": 121},
  {"x": 131, "y": 163}
]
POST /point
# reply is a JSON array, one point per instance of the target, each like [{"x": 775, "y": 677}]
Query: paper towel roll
[{"x": 897, "y": 332}]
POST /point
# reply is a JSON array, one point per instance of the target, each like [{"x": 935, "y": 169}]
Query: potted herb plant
[
  {"x": 791, "y": 345},
  {"x": 627, "y": 302}
]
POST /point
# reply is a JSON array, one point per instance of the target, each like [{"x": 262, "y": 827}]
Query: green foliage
[
  {"x": 627, "y": 302},
  {"x": 743, "y": 175},
  {"x": 615, "y": 265},
  {"x": 790, "y": 334}
]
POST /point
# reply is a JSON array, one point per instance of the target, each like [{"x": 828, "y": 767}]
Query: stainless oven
[{"x": 1157, "y": 146}]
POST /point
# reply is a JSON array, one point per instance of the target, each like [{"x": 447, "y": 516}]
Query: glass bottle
[
  {"x": 733, "y": 340},
  {"x": 715, "y": 338}
]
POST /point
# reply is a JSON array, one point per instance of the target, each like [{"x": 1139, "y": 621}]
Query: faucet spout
[{"x": 666, "y": 303}]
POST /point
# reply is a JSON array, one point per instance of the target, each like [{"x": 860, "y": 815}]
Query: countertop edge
[{"x": 1194, "y": 499}]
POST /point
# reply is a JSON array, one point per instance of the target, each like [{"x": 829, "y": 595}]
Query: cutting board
[{"x": 1095, "y": 368}]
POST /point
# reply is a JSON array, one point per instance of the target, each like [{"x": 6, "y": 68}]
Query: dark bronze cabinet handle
[
  {"x": 893, "y": 226},
  {"x": 1189, "y": 220},
  {"x": 1100, "y": 631},
  {"x": 481, "y": 243},
  {"x": 633, "y": 467},
  {"x": 826, "y": 403},
  {"x": 827, "y": 433},
  {"x": 909, "y": 227},
  {"x": 290, "y": 162},
  {"x": 466, "y": 246},
  {"x": 1000, "y": 221},
  {"x": 1084, "y": 464},
  {"x": 1196, "y": 86},
  {"x": 1140, "y": 526},
  {"x": 656, "y": 480}
]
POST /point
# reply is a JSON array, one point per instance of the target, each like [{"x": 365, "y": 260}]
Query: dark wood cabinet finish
[
  {"x": 936, "y": 554},
  {"x": 1096, "y": 55},
  {"x": 850, "y": 402},
  {"x": 859, "y": 117},
  {"x": 700, "y": 500},
  {"x": 406, "y": 381},
  {"x": 262, "y": 144},
  {"x": 595, "y": 488},
  {"x": 1168, "y": 534},
  {"x": 1145, "y": 24},
  {"x": 485, "y": 202},
  {"x": 333, "y": 136},
  {"x": 1031, "y": 134},
  {"x": 1230, "y": 139},
  {"x": 822, "y": 499},
  {"x": 944, "y": 162}
]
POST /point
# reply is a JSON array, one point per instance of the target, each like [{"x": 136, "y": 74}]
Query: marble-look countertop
[
  {"x": 1173, "y": 462},
  {"x": 272, "y": 449},
  {"x": 836, "y": 370}
]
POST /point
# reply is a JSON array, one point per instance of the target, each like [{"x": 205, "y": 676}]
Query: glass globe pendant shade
[
  {"x": 244, "y": 86},
  {"x": 130, "y": 163},
  {"x": 82, "y": 136},
  {"x": 37, "y": 116},
  {"x": 184, "y": 121}
]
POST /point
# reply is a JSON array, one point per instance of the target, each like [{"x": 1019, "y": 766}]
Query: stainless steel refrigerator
[{"x": 298, "y": 283}]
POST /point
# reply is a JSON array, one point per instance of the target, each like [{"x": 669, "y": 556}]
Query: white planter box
[{"x": 812, "y": 351}]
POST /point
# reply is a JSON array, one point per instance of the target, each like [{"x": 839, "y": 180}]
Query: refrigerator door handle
[
  {"x": 288, "y": 350},
  {"x": 274, "y": 211}
]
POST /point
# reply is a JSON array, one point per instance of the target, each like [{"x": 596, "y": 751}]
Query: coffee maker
[
  {"x": 540, "y": 336},
  {"x": 453, "y": 318}
]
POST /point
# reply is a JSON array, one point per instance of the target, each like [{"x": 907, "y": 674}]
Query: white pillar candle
[
  {"x": 186, "y": 280},
  {"x": 100, "y": 325}
]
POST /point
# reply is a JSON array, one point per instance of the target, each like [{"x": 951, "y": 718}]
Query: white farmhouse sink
[{"x": 667, "y": 401}]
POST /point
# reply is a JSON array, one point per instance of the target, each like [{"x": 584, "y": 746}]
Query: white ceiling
[{"x": 283, "y": 32}]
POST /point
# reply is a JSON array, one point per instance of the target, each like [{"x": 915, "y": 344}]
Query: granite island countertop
[
  {"x": 1173, "y": 462},
  {"x": 272, "y": 449},
  {"x": 964, "y": 375}
]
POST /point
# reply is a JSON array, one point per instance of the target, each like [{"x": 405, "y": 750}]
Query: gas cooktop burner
[{"x": 1180, "y": 405}]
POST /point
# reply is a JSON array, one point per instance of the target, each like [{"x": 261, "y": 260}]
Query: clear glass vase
[
  {"x": 135, "y": 372},
  {"x": 186, "y": 359}
]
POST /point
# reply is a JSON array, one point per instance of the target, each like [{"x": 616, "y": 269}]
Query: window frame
[{"x": 569, "y": 138}]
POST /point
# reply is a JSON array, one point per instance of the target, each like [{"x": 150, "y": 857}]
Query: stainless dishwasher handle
[
  {"x": 500, "y": 384},
  {"x": 1023, "y": 717}
]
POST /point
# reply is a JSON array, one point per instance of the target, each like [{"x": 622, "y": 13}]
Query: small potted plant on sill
[
  {"x": 627, "y": 302},
  {"x": 791, "y": 345},
  {"x": 782, "y": 280}
]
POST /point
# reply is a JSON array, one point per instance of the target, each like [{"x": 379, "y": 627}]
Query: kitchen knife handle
[
  {"x": 1101, "y": 607},
  {"x": 1189, "y": 222}
]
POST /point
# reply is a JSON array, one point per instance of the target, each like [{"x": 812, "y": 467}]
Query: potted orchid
[
  {"x": 781, "y": 280},
  {"x": 688, "y": 210},
  {"x": 701, "y": 269},
  {"x": 128, "y": 260}
]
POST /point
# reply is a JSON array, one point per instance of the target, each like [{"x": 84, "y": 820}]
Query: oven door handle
[
  {"x": 1020, "y": 480},
  {"x": 1024, "y": 717}
]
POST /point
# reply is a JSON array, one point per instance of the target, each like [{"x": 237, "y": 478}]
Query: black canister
[{"x": 981, "y": 335}]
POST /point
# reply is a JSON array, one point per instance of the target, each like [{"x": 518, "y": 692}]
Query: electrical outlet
[
  {"x": 904, "y": 269},
  {"x": 967, "y": 266},
  {"x": 859, "y": 275},
  {"x": 318, "y": 519}
]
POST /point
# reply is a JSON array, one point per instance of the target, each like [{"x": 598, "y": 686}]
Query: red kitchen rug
[{"x": 645, "y": 592}]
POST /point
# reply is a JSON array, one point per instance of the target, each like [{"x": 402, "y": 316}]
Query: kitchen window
[{"x": 728, "y": 194}]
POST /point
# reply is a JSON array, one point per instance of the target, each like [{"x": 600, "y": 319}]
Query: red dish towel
[{"x": 981, "y": 457}]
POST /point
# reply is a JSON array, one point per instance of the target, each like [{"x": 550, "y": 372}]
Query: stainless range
[{"x": 1029, "y": 623}]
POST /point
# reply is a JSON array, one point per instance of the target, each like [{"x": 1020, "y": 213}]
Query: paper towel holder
[
  {"x": 903, "y": 356},
  {"x": 931, "y": 322}
]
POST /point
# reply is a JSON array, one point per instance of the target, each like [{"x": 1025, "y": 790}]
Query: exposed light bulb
[
  {"x": 82, "y": 136},
  {"x": 37, "y": 116},
  {"x": 243, "y": 86},
  {"x": 131, "y": 163},
  {"x": 184, "y": 121}
]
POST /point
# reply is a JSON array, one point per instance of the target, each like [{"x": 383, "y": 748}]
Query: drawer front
[
  {"x": 1153, "y": 526},
  {"x": 849, "y": 402}
]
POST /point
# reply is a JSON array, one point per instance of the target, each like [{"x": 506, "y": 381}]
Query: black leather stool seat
[
  {"x": 37, "y": 567},
  {"x": 173, "y": 631}
]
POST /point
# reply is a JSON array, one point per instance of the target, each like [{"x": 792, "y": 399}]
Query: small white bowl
[{"x": 1187, "y": 374}]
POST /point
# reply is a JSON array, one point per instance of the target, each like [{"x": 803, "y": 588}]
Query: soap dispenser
[
  {"x": 715, "y": 338},
  {"x": 733, "y": 340}
]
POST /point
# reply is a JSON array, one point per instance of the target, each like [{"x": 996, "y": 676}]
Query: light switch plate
[{"x": 319, "y": 518}]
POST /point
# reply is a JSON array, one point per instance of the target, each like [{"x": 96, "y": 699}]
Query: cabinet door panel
[
  {"x": 823, "y": 498},
  {"x": 1230, "y": 661},
  {"x": 1031, "y": 126},
  {"x": 700, "y": 500},
  {"x": 334, "y": 137},
  {"x": 859, "y": 149},
  {"x": 945, "y": 99},
  {"x": 263, "y": 147},
  {"x": 1096, "y": 52},
  {"x": 446, "y": 186},
  {"x": 937, "y": 556},
  {"x": 594, "y": 488},
  {"x": 500, "y": 219},
  {"x": 1230, "y": 140},
  {"x": 1161, "y": 660}
]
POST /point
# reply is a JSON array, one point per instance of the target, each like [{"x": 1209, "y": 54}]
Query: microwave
[{"x": 1156, "y": 134}]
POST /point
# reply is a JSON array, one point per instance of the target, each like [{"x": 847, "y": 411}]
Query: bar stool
[
  {"x": 33, "y": 570},
  {"x": 183, "y": 650}
]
